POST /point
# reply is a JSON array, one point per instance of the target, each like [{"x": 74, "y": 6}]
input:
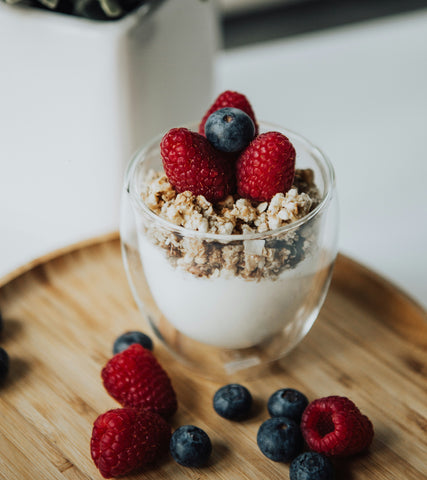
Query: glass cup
[{"x": 227, "y": 305}]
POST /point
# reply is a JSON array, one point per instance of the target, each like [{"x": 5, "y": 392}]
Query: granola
[{"x": 249, "y": 259}]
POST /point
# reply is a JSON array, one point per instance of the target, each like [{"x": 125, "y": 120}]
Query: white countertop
[{"x": 358, "y": 92}]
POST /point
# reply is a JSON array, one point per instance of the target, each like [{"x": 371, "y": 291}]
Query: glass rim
[{"x": 325, "y": 166}]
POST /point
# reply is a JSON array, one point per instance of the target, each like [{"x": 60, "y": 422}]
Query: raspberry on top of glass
[{"x": 228, "y": 156}]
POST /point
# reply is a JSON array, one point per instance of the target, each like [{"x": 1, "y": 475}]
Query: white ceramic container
[{"x": 77, "y": 98}]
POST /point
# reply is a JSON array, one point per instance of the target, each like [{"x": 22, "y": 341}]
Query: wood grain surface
[{"x": 62, "y": 316}]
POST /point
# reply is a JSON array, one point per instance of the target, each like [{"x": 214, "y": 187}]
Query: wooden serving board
[{"x": 61, "y": 317}]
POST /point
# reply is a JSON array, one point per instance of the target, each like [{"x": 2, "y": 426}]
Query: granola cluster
[{"x": 249, "y": 259}]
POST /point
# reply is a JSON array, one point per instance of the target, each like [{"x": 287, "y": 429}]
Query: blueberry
[
  {"x": 4, "y": 365},
  {"x": 287, "y": 402},
  {"x": 129, "y": 338},
  {"x": 280, "y": 439},
  {"x": 229, "y": 129},
  {"x": 311, "y": 466},
  {"x": 233, "y": 402},
  {"x": 190, "y": 446}
]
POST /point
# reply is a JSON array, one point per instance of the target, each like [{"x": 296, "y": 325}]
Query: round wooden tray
[{"x": 61, "y": 317}]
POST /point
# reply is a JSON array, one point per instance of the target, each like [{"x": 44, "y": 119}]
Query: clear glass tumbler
[{"x": 212, "y": 316}]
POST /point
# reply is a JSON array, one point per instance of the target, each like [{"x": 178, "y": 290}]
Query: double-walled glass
[{"x": 194, "y": 288}]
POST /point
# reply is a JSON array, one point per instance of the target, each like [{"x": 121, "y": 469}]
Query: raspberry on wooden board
[
  {"x": 125, "y": 439},
  {"x": 135, "y": 378},
  {"x": 334, "y": 426}
]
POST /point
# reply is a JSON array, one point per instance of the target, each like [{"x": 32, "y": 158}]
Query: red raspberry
[
  {"x": 229, "y": 99},
  {"x": 125, "y": 439},
  {"x": 136, "y": 379},
  {"x": 266, "y": 167},
  {"x": 191, "y": 163},
  {"x": 334, "y": 426}
]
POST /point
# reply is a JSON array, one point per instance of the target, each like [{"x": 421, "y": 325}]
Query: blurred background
[
  {"x": 78, "y": 96},
  {"x": 352, "y": 77}
]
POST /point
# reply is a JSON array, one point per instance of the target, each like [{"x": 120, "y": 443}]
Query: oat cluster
[{"x": 251, "y": 259}]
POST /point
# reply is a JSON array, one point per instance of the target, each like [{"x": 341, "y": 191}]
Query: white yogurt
[{"x": 227, "y": 312}]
